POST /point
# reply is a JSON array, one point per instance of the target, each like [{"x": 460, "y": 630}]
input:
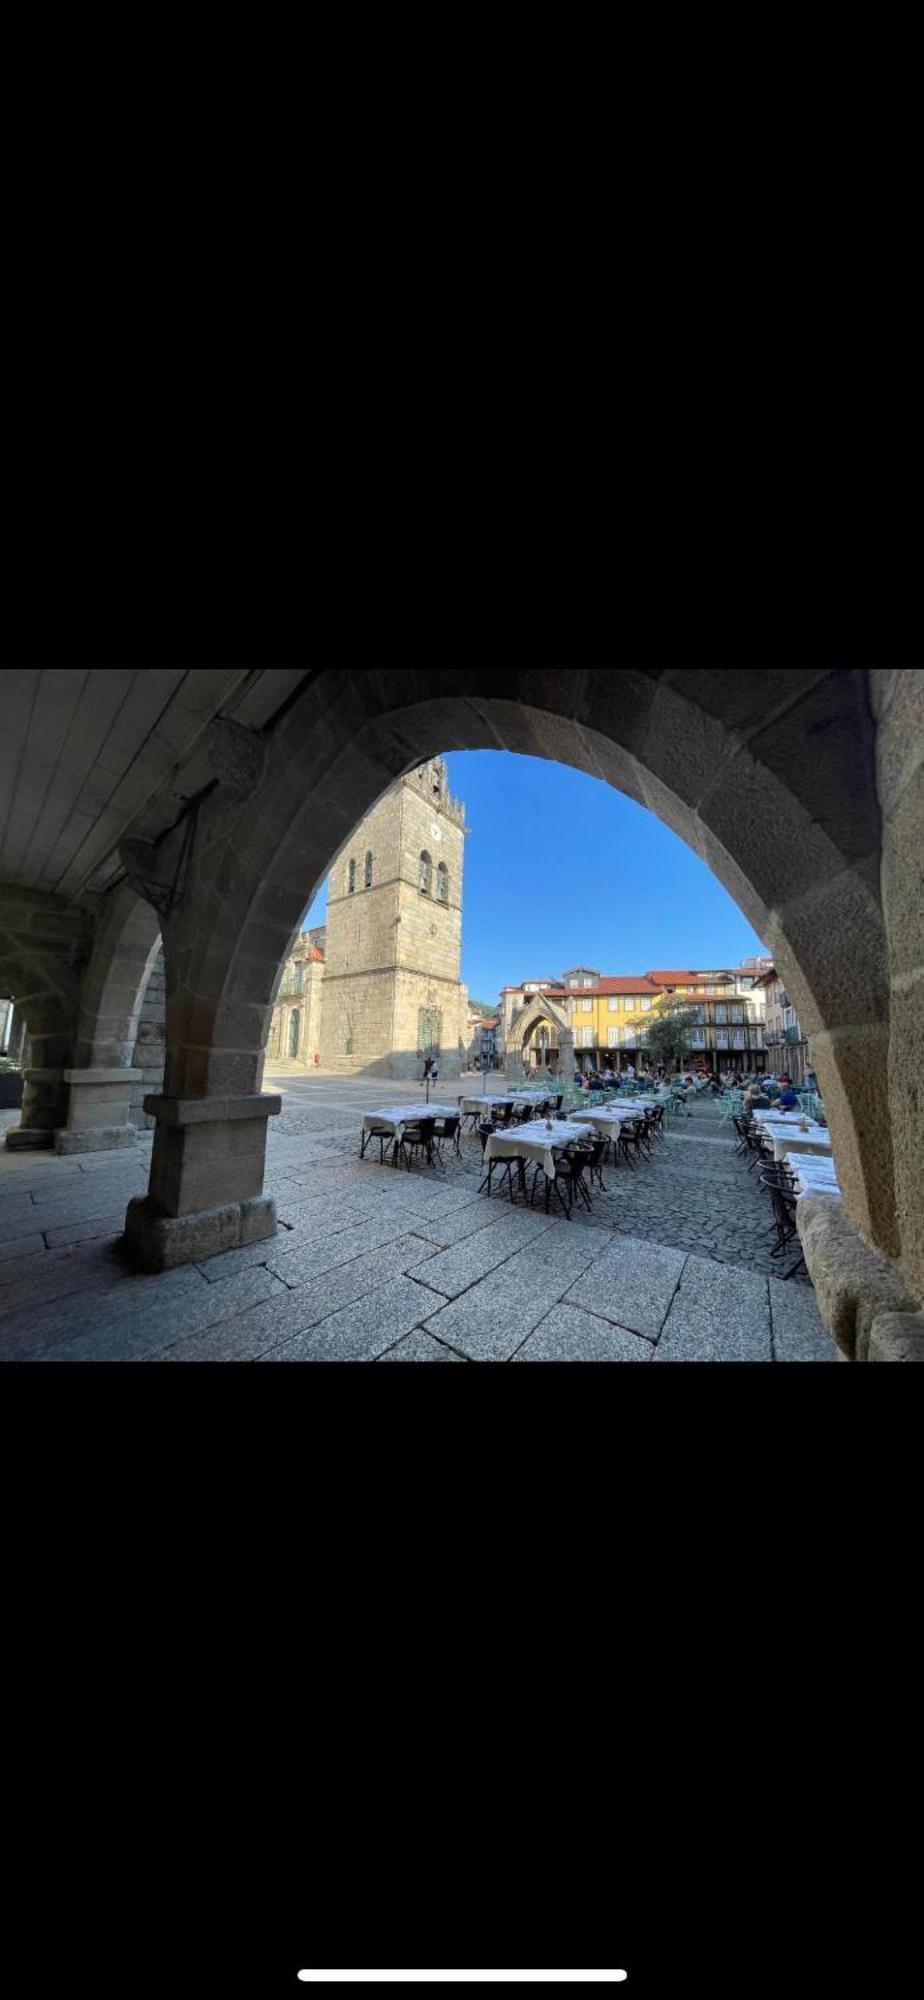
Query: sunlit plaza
[{"x": 295, "y": 1067}]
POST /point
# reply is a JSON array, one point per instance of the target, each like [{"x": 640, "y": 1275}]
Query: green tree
[{"x": 669, "y": 1036}]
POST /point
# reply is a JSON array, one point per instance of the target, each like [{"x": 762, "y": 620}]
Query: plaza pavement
[{"x": 370, "y": 1264}]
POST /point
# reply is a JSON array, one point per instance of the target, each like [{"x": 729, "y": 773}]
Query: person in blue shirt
[{"x": 787, "y": 1100}]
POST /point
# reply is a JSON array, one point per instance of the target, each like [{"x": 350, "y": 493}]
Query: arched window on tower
[
  {"x": 368, "y": 871},
  {"x": 442, "y": 883},
  {"x": 351, "y": 877},
  {"x": 425, "y": 870}
]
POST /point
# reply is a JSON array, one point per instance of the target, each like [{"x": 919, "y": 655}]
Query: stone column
[
  {"x": 205, "y": 1191},
  {"x": 98, "y": 1110},
  {"x": 44, "y": 1109}
]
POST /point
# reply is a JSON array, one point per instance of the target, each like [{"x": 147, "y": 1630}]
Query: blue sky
[{"x": 562, "y": 870}]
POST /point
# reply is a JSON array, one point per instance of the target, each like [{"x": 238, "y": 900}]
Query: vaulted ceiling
[{"x": 89, "y": 754}]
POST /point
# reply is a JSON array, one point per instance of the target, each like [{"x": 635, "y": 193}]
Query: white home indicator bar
[{"x": 464, "y": 1978}]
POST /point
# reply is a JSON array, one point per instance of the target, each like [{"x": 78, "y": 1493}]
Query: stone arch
[
  {"x": 442, "y": 883},
  {"x": 425, "y": 877},
  {"x": 368, "y": 869},
  {"x": 44, "y": 944},
  {"x": 769, "y": 775},
  {"x": 125, "y": 951},
  {"x": 529, "y": 1020}
]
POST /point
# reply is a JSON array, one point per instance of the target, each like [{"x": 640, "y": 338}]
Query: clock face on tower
[{"x": 436, "y": 831}]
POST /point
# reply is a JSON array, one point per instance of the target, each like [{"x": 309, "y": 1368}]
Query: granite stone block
[
  {"x": 133, "y": 1336},
  {"x": 364, "y": 1330},
  {"x": 419, "y": 1346},
  {"x": 279, "y": 1322},
  {"x": 799, "y": 1333},
  {"x": 632, "y": 1284},
  {"x": 567, "y": 1334}
]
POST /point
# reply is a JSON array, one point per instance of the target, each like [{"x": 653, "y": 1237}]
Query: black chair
[
  {"x": 447, "y": 1128},
  {"x": 511, "y": 1168},
  {"x": 741, "y": 1129},
  {"x": 596, "y": 1154},
  {"x": 656, "y": 1121},
  {"x": 568, "y": 1172},
  {"x": 784, "y": 1217},
  {"x": 626, "y": 1141},
  {"x": 385, "y": 1137},
  {"x": 417, "y": 1138}
]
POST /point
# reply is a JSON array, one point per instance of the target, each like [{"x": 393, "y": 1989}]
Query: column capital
[{"x": 212, "y": 1110}]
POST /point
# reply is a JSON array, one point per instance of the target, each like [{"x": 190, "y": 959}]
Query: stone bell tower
[{"x": 392, "y": 989}]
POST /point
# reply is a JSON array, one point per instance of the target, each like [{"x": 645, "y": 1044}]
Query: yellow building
[{"x": 607, "y": 1017}]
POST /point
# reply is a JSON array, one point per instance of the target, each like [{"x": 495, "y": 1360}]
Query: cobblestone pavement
[{"x": 374, "y": 1264}]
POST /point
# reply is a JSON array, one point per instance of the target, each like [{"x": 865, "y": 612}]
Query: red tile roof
[
  {"x": 631, "y": 983},
  {"x": 674, "y": 978}
]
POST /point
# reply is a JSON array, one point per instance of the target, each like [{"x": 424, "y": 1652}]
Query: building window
[
  {"x": 587, "y": 1006},
  {"x": 612, "y": 1038},
  {"x": 721, "y": 1014},
  {"x": 368, "y": 871},
  {"x": 426, "y": 866},
  {"x": 351, "y": 877},
  {"x": 588, "y": 982},
  {"x": 646, "y": 1006},
  {"x": 294, "y": 1025},
  {"x": 574, "y": 982},
  {"x": 613, "y": 1003},
  {"x": 442, "y": 882},
  {"x": 586, "y": 1038},
  {"x": 630, "y": 1004},
  {"x": 737, "y": 1013}
]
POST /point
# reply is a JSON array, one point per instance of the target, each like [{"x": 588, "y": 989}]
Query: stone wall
[
  {"x": 898, "y": 703},
  {"x": 149, "y": 1050}
]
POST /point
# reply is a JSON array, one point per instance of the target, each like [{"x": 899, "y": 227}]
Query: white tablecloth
[
  {"x": 813, "y": 1176},
  {"x": 479, "y": 1103},
  {"x": 818, "y": 1142},
  {"x": 607, "y": 1117},
  {"x": 396, "y": 1116},
  {"x": 534, "y": 1141}
]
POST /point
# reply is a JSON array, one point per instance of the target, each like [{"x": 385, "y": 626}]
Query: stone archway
[
  {"x": 540, "y": 1012},
  {"x": 769, "y": 775}
]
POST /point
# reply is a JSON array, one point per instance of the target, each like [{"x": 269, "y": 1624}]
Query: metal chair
[{"x": 384, "y": 1135}]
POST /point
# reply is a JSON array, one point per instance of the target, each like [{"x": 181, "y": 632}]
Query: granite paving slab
[
  {"x": 16, "y": 1248},
  {"x": 282, "y": 1318},
  {"x": 717, "y": 1314},
  {"x": 632, "y": 1283},
  {"x": 799, "y": 1333},
  {"x": 24, "y": 1332},
  {"x": 567, "y": 1334},
  {"x": 419, "y": 1346},
  {"x": 133, "y": 1336},
  {"x": 362, "y": 1331},
  {"x": 454, "y": 1270},
  {"x": 297, "y": 1264},
  {"x": 493, "y": 1318}
]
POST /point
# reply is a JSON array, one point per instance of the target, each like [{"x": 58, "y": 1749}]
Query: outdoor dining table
[
  {"x": 396, "y": 1116},
  {"x": 813, "y": 1176},
  {"x": 605, "y": 1117},
  {"x": 786, "y": 1133},
  {"x": 534, "y": 1141}
]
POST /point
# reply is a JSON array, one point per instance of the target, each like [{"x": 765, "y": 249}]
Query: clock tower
[{"x": 392, "y": 989}]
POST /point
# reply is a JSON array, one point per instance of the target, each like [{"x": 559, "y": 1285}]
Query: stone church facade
[{"x": 388, "y": 990}]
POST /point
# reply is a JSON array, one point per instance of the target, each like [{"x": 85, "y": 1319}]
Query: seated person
[
  {"x": 756, "y": 1099},
  {"x": 787, "y": 1100}
]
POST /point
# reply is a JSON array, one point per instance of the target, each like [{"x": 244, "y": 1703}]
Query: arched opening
[
  {"x": 425, "y": 874},
  {"x": 769, "y": 778},
  {"x": 368, "y": 871},
  {"x": 351, "y": 878},
  {"x": 442, "y": 883}
]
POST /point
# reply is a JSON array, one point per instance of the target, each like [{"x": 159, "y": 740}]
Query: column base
[
  {"x": 96, "y": 1139},
  {"x": 160, "y": 1241},
  {"x": 23, "y": 1138}
]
